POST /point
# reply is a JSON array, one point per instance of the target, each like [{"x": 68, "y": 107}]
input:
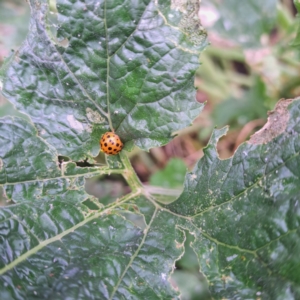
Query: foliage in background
[
  {"x": 243, "y": 23},
  {"x": 131, "y": 244},
  {"x": 172, "y": 176}
]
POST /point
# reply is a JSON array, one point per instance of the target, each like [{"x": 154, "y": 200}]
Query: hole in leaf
[
  {"x": 62, "y": 159},
  {"x": 90, "y": 204},
  {"x": 187, "y": 277},
  {"x": 83, "y": 163},
  {"x": 108, "y": 188}
]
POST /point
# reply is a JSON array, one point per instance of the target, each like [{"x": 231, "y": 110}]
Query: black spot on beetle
[
  {"x": 109, "y": 148},
  {"x": 105, "y": 144}
]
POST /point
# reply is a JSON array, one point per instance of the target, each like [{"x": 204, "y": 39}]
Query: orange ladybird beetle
[{"x": 110, "y": 143}]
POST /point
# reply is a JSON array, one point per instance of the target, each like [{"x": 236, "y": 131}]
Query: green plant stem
[
  {"x": 284, "y": 17},
  {"x": 129, "y": 174}
]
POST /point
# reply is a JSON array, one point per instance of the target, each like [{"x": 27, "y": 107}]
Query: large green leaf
[
  {"x": 112, "y": 65},
  {"x": 243, "y": 211},
  {"x": 102, "y": 256}
]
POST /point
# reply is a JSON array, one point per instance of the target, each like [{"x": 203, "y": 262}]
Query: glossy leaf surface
[
  {"x": 75, "y": 83},
  {"x": 244, "y": 212},
  {"x": 105, "y": 65}
]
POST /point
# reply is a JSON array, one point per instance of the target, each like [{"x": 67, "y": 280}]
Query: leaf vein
[
  {"x": 64, "y": 233},
  {"x": 134, "y": 255}
]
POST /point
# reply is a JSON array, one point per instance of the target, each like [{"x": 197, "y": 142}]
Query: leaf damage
[
  {"x": 277, "y": 122},
  {"x": 94, "y": 116},
  {"x": 190, "y": 22}
]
